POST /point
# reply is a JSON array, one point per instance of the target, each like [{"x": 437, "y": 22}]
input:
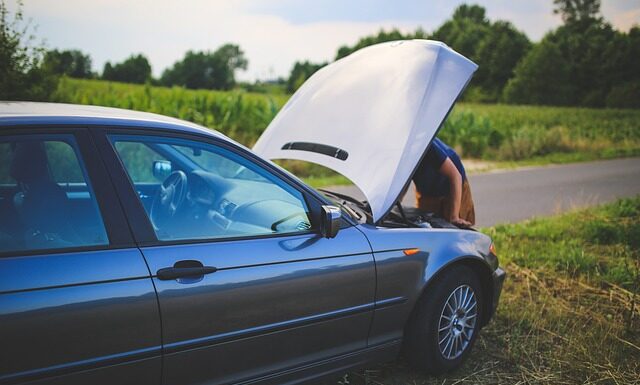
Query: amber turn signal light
[{"x": 410, "y": 251}]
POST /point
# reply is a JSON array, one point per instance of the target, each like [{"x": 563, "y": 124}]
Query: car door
[
  {"x": 268, "y": 292},
  {"x": 77, "y": 303}
]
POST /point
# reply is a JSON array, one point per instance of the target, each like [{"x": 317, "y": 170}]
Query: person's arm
[{"x": 448, "y": 169}]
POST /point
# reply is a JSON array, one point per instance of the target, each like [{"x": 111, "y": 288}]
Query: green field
[
  {"x": 240, "y": 115},
  {"x": 503, "y": 134},
  {"x": 526, "y": 133},
  {"x": 570, "y": 307}
]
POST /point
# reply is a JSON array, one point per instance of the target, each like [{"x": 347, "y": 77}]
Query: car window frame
[
  {"x": 141, "y": 226},
  {"x": 119, "y": 235}
]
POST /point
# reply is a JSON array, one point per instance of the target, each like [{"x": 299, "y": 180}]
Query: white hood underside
[{"x": 371, "y": 115}]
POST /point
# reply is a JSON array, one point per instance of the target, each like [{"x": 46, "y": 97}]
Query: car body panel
[
  {"x": 55, "y": 270},
  {"x": 61, "y": 114},
  {"x": 70, "y": 312},
  {"x": 283, "y": 292},
  {"x": 138, "y": 372},
  {"x": 335, "y": 366},
  {"x": 371, "y": 115},
  {"x": 407, "y": 276}
]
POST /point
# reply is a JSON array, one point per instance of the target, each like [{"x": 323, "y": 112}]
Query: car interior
[
  {"x": 38, "y": 212},
  {"x": 191, "y": 193}
]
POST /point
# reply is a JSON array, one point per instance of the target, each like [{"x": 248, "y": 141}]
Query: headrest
[{"x": 29, "y": 162}]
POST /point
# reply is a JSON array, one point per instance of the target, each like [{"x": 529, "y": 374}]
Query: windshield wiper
[
  {"x": 343, "y": 205},
  {"x": 362, "y": 204}
]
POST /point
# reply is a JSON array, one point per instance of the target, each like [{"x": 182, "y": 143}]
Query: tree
[
  {"x": 573, "y": 11},
  {"x": 622, "y": 63},
  {"x": 205, "y": 69},
  {"x": 72, "y": 63},
  {"x": 381, "y": 37},
  {"x": 135, "y": 69},
  {"x": 21, "y": 75},
  {"x": 497, "y": 54},
  {"x": 300, "y": 73},
  {"x": 583, "y": 62},
  {"x": 495, "y": 47},
  {"x": 542, "y": 77},
  {"x": 465, "y": 30},
  {"x": 591, "y": 49}
]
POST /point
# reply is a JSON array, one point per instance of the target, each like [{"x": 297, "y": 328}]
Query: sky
[{"x": 272, "y": 33}]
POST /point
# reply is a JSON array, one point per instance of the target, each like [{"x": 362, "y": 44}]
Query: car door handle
[{"x": 184, "y": 269}]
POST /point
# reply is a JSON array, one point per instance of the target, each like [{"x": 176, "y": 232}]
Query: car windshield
[{"x": 226, "y": 168}]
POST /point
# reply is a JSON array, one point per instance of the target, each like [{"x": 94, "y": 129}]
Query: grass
[
  {"x": 563, "y": 158},
  {"x": 570, "y": 307},
  {"x": 506, "y": 136},
  {"x": 514, "y": 133},
  {"x": 326, "y": 180},
  {"x": 238, "y": 114}
]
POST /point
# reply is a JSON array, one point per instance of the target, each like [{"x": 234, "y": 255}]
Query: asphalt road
[{"x": 516, "y": 195}]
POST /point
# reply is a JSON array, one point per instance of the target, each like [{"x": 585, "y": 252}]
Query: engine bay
[{"x": 399, "y": 216}]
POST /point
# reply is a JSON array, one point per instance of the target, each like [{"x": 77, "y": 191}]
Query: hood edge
[{"x": 409, "y": 180}]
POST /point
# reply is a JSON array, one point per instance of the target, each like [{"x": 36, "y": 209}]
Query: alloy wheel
[{"x": 457, "y": 322}]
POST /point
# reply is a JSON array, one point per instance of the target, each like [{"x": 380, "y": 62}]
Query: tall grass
[
  {"x": 506, "y": 132},
  {"x": 569, "y": 311},
  {"x": 240, "y": 115},
  {"x": 494, "y": 132}
]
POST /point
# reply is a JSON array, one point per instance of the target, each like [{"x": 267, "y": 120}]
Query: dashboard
[{"x": 223, "y": 207}]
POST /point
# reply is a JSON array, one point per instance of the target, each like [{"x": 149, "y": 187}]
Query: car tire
[{"x": 433, "y": 343}]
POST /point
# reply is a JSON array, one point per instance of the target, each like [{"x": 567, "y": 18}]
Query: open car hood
[{"x": 371, "y": 115}]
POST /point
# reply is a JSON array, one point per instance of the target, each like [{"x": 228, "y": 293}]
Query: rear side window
[
  {"x": 46, "y": 199},
  {"x": 63, "y": 163},
  {"x": 5, "y": 159}
]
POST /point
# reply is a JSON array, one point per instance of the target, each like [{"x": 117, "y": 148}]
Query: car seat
[{"x": 42, "y": 205}]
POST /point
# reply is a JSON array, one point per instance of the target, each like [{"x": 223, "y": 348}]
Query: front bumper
[{"x": 498, "y": 277}]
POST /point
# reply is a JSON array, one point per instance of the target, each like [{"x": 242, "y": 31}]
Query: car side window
[
  {"x": 136, "y": 156},
  {"x": 208, "y": 192},
  {"x": 46, "y": 200}
]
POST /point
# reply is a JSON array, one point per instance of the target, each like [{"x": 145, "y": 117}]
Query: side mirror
[
  {"x": 331, "y": 218},
  {"x": 161, "y": 169}
]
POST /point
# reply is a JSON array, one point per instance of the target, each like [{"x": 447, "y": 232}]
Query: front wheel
[{"x": 445, "y": 322}]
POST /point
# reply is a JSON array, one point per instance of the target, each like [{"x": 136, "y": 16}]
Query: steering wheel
[{"x": 169, "y": 198}]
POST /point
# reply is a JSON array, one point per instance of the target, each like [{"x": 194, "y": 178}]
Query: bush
[
  {"x": 535, "y": 140},
  {"x": 603, "y": 233},
  {"x": 473, "y": 135},
  {"x": 21, "y": 74},
  {"x": 541, "y": 77},
  {"x": 624, "y": 96}
]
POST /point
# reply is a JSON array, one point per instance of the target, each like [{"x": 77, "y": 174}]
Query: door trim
[
  {"x": 76, "y": 366},
  {"x": 263, "y": 329}
]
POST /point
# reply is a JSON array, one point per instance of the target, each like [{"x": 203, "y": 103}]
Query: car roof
[{"x": 36, "y": 113}]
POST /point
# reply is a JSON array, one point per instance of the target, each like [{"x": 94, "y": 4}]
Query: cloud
[{"x": 626, "y": 19}]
